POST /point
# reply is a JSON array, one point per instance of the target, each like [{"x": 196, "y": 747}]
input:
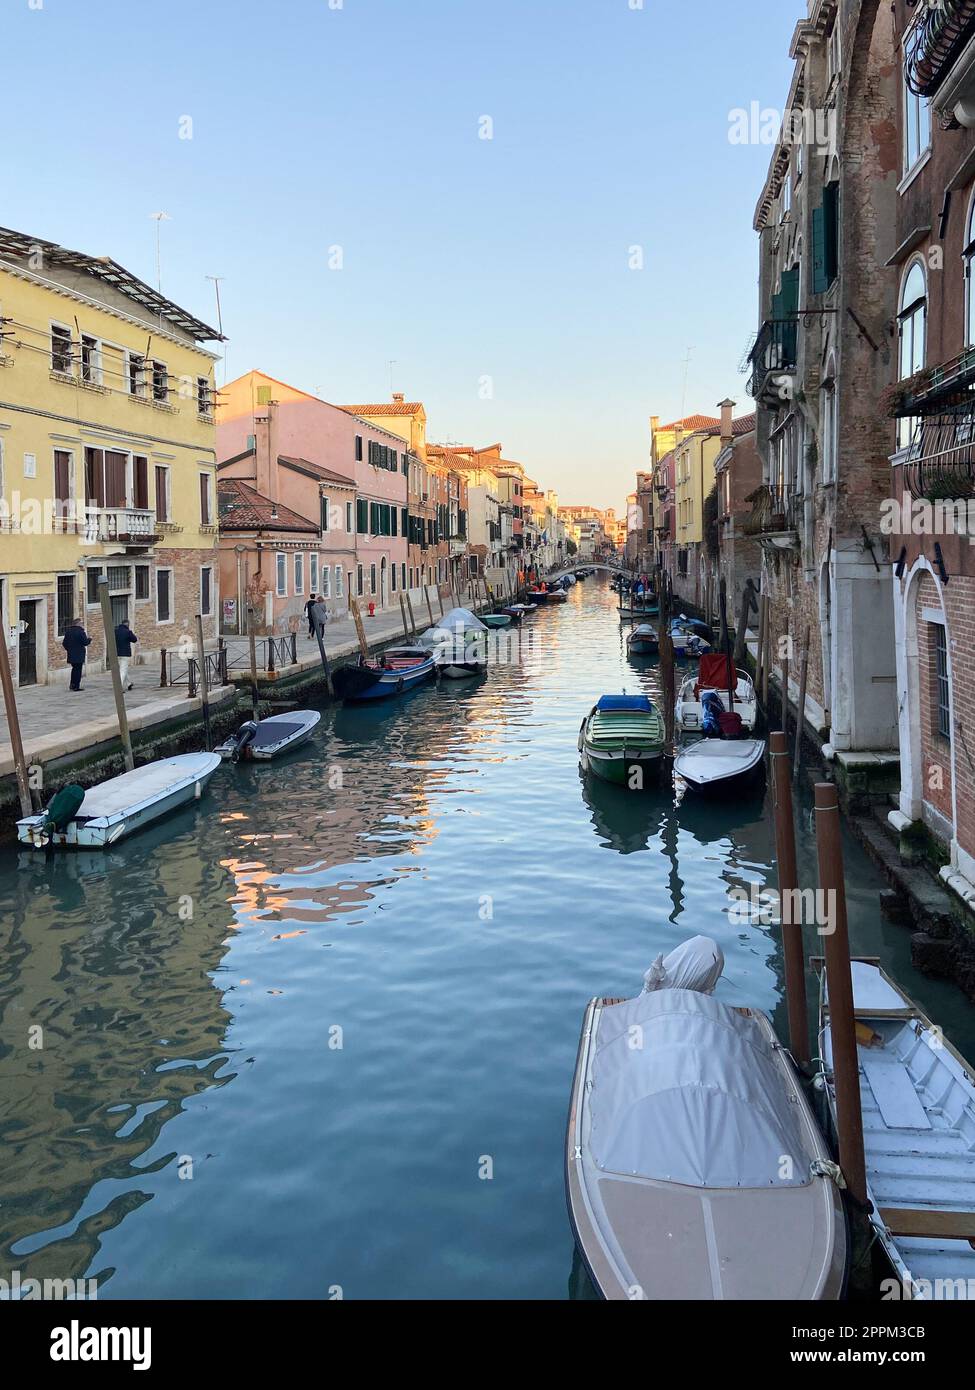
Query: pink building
[{"x": 346, "y": 475}]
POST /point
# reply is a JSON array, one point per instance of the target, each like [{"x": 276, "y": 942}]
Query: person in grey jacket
[
  {"x": 75, "y": 642},
  {"x": 124, "y": 637}
]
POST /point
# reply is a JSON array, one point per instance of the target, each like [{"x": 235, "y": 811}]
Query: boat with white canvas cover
[
  {"x": 122, "y": 804},
  {"x": 694, "y": 1165},
  {"x": 720, "y": 764},
  {"x": 712, "y": 675},
  {"x": 459, "y": 644},
  {"x": 263, "y": 739},
  {"x": 917, "y": 1098}
]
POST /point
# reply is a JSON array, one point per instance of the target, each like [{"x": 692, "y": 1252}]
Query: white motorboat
[
  {"x": 459, "y": 644},
  {"x": 720, "y": 764},
  {"x": 917, "y": 1098},
  {"x": 713, "y": 676},
  {"x": 267, "y": 738},
  {"x": 119, "y": 806},
  {"x": 694, "y": 1165}
]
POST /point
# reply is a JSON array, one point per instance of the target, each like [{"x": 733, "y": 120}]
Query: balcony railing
[
  {"x": 941, "y": 463},
  {"x": 934, "y": 41},
  {"x": 127, "y": 525},
  {"x": 776, "y": 511},
  {"x": 773, "y": 355}
]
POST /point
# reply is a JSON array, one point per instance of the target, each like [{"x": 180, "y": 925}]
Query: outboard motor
[
  {"x": 244, "y": 735},
  {"x": 711, "y": 711}
]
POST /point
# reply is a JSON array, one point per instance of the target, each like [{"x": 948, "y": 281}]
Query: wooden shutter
[
  {"x": 115, "y": 478},
  {"x": 94, "y": 477},
  {"x": 62, "y": 479},
  {"x": 162, "y": 500},
  {"x": 204, "y": 499},
  {"x": 141, "y": 482}
]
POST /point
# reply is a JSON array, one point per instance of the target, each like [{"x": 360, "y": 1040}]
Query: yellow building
[
  {"x": 107, "y": 457},
  {"x": 694, "y": 460}
]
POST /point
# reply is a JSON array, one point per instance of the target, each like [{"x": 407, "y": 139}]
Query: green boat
[
  {"x": 496, "y": 619},
  {"x": 622, "y": 741}
]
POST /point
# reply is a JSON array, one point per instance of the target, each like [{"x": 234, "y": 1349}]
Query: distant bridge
[{"x": 586, "y": 565}]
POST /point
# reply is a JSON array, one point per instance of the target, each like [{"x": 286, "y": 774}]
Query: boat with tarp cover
[
  {"x": 622, "y": 740},
  {"x": 694, "y": 1165}
]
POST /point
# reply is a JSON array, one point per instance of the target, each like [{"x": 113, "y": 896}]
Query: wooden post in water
[
  {"x": 839, "y": 984},
  {"x": 319, "y": 614},
  {"x": 204, "y": 683},
  {"x": 747, "y": 600},
  {"x": 440, "y": 600},
  {"x": 785, "y": 859},
  {"x": 785, "y": 646},
  {"x": 406, "y": 626},
  {"x": 426, "y": 595},
  {"x": 760, "y": 652},
  {"x": 767, "y": 659},
  {"x": 111, "y": 656},
  {"x": 360, "y": 630},
  {"x": 13, "y": 724},
  {"x": 801, "y": 710},
  {"x": 252, "y": 652},
  {"x": 409, "y": 604}
]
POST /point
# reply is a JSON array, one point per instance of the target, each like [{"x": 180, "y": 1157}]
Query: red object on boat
[
  {"x": 712, "y": 673},
  {"x": 729, "y": 722}
]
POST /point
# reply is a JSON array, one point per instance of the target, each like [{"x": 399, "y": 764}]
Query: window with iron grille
[
  {"x": 65, "y": 596},
  {"x": 943, "y": 709}
]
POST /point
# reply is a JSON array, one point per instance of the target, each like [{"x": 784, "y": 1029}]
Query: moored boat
[
  {"x": 917, "y": 1098},
  {"x": 103, "y": 814},
  {"x": 622, "y": 741},
  {"x": 713, "y": 676},
  {"x": 694, "y": 1165},
  {"x": 263, "y": 739},
  {"x": 395, "y": 671},
  {"x": 719, "y": 764},
  {"x": 642, "y": 641},
  {"x": 496, "y": 620}
]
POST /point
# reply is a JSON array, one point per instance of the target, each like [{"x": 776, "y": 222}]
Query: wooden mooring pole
[
  {"x": 204, "y": 683},
  {"x": 252, "y": 651},
  {"x": 839, "y": 984},
  {"x": 801, "y": 708},
  {"x": 360, "y": 630},
  {"x": 789, "y": 899},
  {"x": 406, "y": 624},
  {"x": 13, "y": 724},
  {"x": 111, "y": 656}
]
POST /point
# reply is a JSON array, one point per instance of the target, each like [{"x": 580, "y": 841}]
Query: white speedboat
[
  {"x": 694, "y": 1165},
  {"x": 720, "y": 764},
  {"x": 267, "y": 738},
  {"x": 122, "y": 804},
  {"x": 712, "y": 675},
  {"x": 917, "y": 1098}
]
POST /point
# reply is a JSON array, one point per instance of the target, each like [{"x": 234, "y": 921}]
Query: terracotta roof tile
[
  {"x": 399, "y": 408},
  {"x": 690, "y": 424},
  {"x": 242, "y": 508}
]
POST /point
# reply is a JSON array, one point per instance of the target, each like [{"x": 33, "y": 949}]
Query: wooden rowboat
[{"x": 622, "y": 741}]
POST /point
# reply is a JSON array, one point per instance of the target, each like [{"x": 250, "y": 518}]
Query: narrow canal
[{"x": 318, "y": 1032}]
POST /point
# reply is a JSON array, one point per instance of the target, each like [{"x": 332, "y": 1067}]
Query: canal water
[{"x": 316, "y": 1034}]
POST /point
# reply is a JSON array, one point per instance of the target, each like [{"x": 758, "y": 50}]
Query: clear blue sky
[{"x": 463, "y": 258}]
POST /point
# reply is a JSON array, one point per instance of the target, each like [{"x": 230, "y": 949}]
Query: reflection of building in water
[{"x": 96, "y": 954}]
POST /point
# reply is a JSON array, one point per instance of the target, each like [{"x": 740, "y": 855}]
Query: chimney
[
  {"x": 726, "y": 407},
  {"x": 398, "y": 398},
  {"x": 266, "y": 473}
]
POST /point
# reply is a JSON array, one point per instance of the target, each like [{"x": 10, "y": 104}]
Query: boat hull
[{"x": 720, "y": 766}]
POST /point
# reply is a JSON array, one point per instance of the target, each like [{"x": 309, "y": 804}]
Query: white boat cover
[
  {"x": 695, "y": 964},
  {"x": 687, "y": 1090},
  {"x": 461, "y": 618},
  {"x": 142, "y": 784}
]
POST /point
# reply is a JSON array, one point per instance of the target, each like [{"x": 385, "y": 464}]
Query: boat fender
[{"x": 197, "y": 791}]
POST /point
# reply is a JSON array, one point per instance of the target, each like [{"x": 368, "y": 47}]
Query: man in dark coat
[
  {"x": 124, "y": 637},
  {"x": 310, "y": 615},
  {"x": 74, "y": 642}
]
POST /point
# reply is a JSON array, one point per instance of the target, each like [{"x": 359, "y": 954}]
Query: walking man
[
  {"x": 75, "y": 641},
  {"x": 310, "y": 615},
  {"x": 124, "y": 637}
]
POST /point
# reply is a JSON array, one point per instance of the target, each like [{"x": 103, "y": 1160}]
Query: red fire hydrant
[{"x": 372, "y": 609}]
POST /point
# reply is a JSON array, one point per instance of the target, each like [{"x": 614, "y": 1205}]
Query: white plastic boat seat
[{"x": 893, "y": 1091}]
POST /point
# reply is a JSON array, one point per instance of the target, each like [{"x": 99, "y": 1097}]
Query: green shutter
[
  {"x": 361, "y": 516},
  {"x": 831, "y": 238},
  {"x": 820, "y": 277},
  {"x": 392, "y": 520},
  {"x": 790, "y": 292}
]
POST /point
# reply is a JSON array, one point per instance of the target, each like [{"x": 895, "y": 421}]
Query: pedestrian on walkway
[
  {"x": 310, "y": 615},
  {"x": 75, "y": 641},
  {"x": 124, "y": 637}
]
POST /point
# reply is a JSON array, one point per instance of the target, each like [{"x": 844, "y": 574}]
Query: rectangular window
[
  {"x": 162, "y": 493},
  {"x": 140, "y": 482},
  {"x": 92, "y": 576},
  {"x": 917, "y": 128},
  {"x": 362, "y": 516},
  {"x": 65, "y": 602},
  {"x": 206, "y": 591},
  {"x": 282, "y": 575},
  {"x": 116, "y": 467},
  {"x": 135, "y": 373},
  {"x": 313, "y": 574},
  {"x": 206, "y": 510},
  {"x": 141, "y": 583},
  {"x": 403, "y": 576},
  {"x": 60, "y": 349},
  {"x": 327, "y": 580},
  {"x": 299, "y": 574},
  {"x": 204, "y": 403},
  {"x": 324, "y": 521},
  {"x": 164, "y": 596},
  {"x": 392, "y": 575},
  {"x": 941, "y": 680},
  {"x": 160, "y": 382},
  {"x": 358, "y": 585},
  {"x": 372, "y": 579},
  {"x": 338, "y": 581},
  {"x": 62, "y": 485},
  {"x": 91, "y": 359},
  {"x": 358, "y": 448},
  {"x": 348, "y": 517}
]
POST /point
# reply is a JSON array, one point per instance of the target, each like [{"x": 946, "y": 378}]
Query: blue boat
[{"x": 393, "y": 672}]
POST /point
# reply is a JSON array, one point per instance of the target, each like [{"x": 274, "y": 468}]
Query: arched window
[
  {"x": 969, "y": 258},
  {"x": 912, "y": 321}
]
